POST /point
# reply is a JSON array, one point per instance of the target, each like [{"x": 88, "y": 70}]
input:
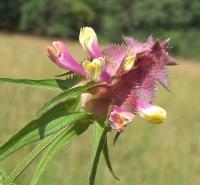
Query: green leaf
[
  {"x": 63, "y": 74},
  {"x": 107, "y": 159},
  {"x": 70, "y": 75},
  {"x": 39, "y": 129},
  {"x": 116, "y": 138},
  {"x": 30, "y": 157},
  {"x": 57, "y": 145},
  {"x": 99, "y": 134},
  {"x": 54, "y": 84},
  {"x": 70, "y": 94}
]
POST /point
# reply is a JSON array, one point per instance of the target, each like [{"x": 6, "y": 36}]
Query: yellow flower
[{"x": 94, "y": 68}]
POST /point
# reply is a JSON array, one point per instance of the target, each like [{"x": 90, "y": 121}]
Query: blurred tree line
[{"x": 179, "y": 19}]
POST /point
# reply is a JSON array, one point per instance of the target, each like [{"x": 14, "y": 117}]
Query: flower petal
[{"x": 119, "y": 118}]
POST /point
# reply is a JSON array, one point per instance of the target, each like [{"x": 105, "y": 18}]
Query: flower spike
[
  {"x": 59, "y": 54},
  {"x": 127, "y": 76},
  {"x": 89, "y": 42}
]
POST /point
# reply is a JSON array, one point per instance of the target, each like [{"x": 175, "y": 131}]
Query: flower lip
[
  {"x": 87, "y": 37},
  {"x": 152, "y": 113},
  {"x": 88, "y": 40},
  {"x": 127, "y": 64},
  {"x": 94, "y": 68}
]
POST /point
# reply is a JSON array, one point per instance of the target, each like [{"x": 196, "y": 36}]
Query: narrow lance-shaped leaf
[
  {"x": 57, "y": 145},
  {"x": 53, "y": 84},
  {"x": 99, "y": 134},
  {"x": 107, "y": 158},
  {"x": 116, "y": 138},
  {"x": 63, "y": 74},
  {"x": 70, "y": 75},
  {"x": 30, "y": 157},
  {"x": 39, "y": 129}
]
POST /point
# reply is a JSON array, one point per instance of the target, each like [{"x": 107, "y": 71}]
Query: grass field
[{"x": 146, "y": 154}]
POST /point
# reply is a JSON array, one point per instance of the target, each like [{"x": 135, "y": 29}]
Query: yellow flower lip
[
  {"x": 156, "y": 119},
  {"x": 154, "y": 114},
  {"x": 94, "y": 68},
  {"x": 129, "y": 62},
  {"x": 87, "y": 37}
]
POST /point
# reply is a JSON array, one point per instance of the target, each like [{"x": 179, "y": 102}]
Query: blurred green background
[
  {"x": 179, "y": 19},
  {"x": 145, "y": 154}
]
